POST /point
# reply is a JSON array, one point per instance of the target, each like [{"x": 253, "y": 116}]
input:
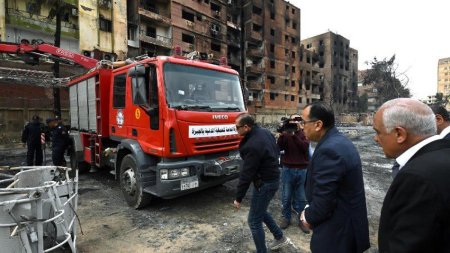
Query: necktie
[{"x": 395, "y": 169}]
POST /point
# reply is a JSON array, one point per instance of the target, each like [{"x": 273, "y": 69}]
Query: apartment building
[
  {"x": 443, "y": 85},
  {"x": 272, "y": 67},
  {"x": 373, "y": 102},
  {"x": 338, "y": 64}
]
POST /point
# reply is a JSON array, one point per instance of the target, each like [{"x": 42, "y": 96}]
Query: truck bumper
[{"x": 203, "y": 174}]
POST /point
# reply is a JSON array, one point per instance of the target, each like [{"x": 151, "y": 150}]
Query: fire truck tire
[{"x": 131, "y": 185}]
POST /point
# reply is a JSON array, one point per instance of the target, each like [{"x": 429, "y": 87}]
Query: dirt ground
[{"x": 201, "y": 222}]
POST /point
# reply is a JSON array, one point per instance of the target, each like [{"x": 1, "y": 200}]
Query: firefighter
[
  {"x": 31, "y": 136},
  {"x": 60, "y": 140}
]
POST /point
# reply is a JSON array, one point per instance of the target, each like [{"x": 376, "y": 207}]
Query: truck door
[{"x": 145, "y": 105}]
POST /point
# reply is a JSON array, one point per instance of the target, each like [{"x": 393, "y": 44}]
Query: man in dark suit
[
  {"x": 442, "y": 120},
  {"x": 415, "y": 216},
  {"x": 337, "y": 210}
]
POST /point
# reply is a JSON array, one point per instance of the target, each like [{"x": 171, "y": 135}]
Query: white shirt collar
[
  {"x": 404, "y": 158},
  {"x": 445, "y": 132}
]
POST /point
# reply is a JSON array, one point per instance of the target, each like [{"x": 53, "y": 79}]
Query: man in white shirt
[
  {"x": 415, "y": 216},
  {"x": 442, "y": 120}
]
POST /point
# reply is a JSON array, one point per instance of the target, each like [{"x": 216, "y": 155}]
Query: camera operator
[{"x": 294, "y": 160}]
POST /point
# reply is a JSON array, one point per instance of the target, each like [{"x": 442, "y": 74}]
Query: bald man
[{"x": 415, "y": 216}]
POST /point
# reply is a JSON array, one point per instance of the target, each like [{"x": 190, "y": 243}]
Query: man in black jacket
[
  {"x": 60, "y": 141},
  {"x": 31, "y": 135},
  {"x": 259, "y": 151},
  {"x": 415, "y": 216}
]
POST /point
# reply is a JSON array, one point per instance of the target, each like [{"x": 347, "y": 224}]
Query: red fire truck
[{"x": 165, "y": 125}]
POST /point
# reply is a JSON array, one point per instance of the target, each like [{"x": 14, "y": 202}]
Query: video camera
[{"x": 289, "y": 125}]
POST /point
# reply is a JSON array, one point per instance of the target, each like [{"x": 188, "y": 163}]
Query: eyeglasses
[
  {"x": 237, "y": 127},
  {"x": 303, "y": 122}
]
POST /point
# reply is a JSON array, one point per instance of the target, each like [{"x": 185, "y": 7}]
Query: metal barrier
[{"x": 38, "y": 210}]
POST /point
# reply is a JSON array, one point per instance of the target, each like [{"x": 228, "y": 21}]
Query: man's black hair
[
  {"x": 439, "y": 109},
  {"x": 323, "y": 112},
  {"x": 246, "y": 119}
]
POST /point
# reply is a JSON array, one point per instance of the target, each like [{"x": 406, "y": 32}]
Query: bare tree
[{"x": 385, "y": 77}]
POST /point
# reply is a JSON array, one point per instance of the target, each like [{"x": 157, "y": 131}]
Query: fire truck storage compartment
[{"x": 83, "y": 111}]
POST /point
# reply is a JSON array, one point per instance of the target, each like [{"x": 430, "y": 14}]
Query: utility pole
[{"x": 56, "y": 94}]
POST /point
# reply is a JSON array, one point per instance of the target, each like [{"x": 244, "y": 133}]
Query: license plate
[{"x": 189, "y": 183}]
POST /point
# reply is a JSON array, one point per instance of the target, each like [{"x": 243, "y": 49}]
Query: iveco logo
[{"x": 220, "y": 116}]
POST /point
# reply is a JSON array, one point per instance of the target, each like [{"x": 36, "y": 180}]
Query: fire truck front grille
[{"x": 201, "y": 146}]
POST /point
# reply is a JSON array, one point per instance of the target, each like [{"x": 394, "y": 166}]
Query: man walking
[
  {"x": 259, "y": 153},
  {"x": 442, "y": 120},
  {"x": 60, "y": 141},
  {"x": 415, "y": 216},
  {"x": 31, "y": 136},
  {"x": 337, "y": 210},
  {"x": 294, "y": 159}
]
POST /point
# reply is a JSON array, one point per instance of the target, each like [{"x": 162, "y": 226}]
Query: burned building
[
  {"x": 443, "y": 85},
  {"x": 338, "y": 64},
  {"x": 272, "y": 71}
]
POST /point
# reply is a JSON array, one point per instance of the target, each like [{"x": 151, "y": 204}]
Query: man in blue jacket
[
  {"x": 337, "y": 211},
  {"x": 259, "y": 151}
]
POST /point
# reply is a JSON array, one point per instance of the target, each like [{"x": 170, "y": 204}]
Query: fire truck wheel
[{"x": 130, "y": 184}]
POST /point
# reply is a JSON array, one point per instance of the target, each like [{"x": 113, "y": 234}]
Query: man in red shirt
[{"x": 294, "y": 160}]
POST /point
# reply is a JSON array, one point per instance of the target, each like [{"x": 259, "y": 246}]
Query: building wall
[
  {"x": 339, "y": 65},
  {"x": 274, "y": 27},
  {"x": 443, "y": 85},
  {"x": 2, "y": 21}
]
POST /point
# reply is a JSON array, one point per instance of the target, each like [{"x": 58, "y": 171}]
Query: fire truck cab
[{"x": 164, "y": 125}]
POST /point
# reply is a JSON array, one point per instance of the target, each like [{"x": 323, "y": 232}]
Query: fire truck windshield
[{"x": 197, "y": 89}]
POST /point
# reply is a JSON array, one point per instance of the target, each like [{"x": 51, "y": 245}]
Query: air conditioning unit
[
  {"x": 109, "y": 57},
  {"x": 217, "y": 13},
  {"x": 105, "y": 3},
  {"x": 74, "y": 12},
  {"x": 189, "y": 23}
]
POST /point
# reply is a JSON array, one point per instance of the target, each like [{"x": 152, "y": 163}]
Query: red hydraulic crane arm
[{"x": 43, "y": 48}]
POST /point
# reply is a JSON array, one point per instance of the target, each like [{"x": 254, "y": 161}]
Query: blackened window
[
  {"x": 272, "y": 96},
  {"x": 292, "y": 98},
  {"x": 272, "y": 32},
  {"x": 272, "y": 64},
  {"x": 215, "y": 47},
  {"x": 187, "y": 38},
  {"x": 187, "y": 15},
  {"x": 119, "y": 91},
  {"x": 105, "y": 25},
  {"x": 272, "y": 48}
]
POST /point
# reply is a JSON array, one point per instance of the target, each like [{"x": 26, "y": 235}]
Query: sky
[{"x": 417, "y": 32}]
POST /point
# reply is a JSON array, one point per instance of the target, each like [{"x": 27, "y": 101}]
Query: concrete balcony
[
  {"x": 255, "y": 69},
  {"x": 156, "y": 40},
  {"x": 255, "y": 52},
  {"x": 254, "y": 36},
  {"x": 156, "y": 15},
  {"x": 18, "y": 18},
  {"x": 257, "y": 19},
  {"x": 255, "y": 85}
]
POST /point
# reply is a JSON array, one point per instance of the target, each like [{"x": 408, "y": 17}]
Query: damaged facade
[
  {"x": 443, "y": 85},
  {"x": 338, "y": 65}
]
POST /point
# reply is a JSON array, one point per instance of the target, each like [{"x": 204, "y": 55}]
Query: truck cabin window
[
  {"x": 119, "y": 91},
  {"x": 196, "y": 89}
]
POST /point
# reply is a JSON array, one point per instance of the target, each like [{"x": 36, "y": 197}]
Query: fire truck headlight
[
  {"x": 185, "y": 172},
  {"x": 164, "y": 174},
  {"x": 174, "y": 173}
]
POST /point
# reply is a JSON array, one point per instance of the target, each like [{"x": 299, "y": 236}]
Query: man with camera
[{"x": 294, "y": 160}]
